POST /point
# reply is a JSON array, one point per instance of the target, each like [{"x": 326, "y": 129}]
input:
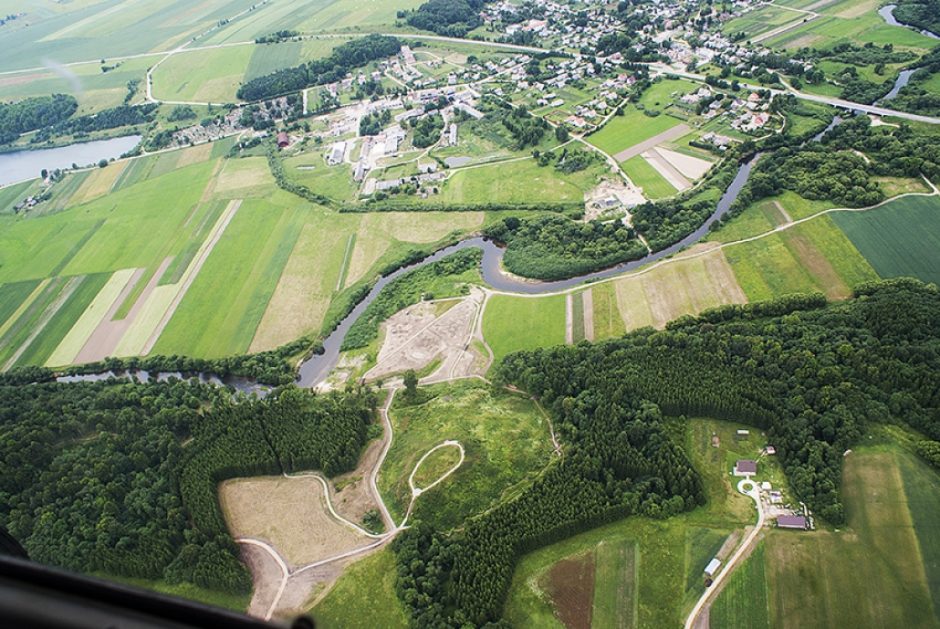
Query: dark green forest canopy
[
  {"x": 812, "y": 374},
  {"x": 34, "y": 113},
  {"x": 345, "y": 57},
  {"x": 122, "y": 478},
  {"x": 920, "y": 13},
  {"x": 453, "y": 18}
]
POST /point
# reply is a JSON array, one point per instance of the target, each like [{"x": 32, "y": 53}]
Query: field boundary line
[
  {"x": 47, "y": 314},
  {"x": 686, "y": 255},
  {"x": 23, "y": 307}
]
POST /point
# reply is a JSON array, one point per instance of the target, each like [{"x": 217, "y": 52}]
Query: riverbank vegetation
[
  {"x": 34, "y": 113},
  {"x": 775, "y": 365}
]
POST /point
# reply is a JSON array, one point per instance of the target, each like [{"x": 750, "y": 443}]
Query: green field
[
  {"x": 235, "y": 602},
  {"x": 631, "y": 128},
  {"x": 371, "y": 579},
  {"x": 521, "y": 181},
  {"x": 511, "y": 324},
  {"x": 813, "y": 256},
  {"x": 761, "y": 20},
  {"x": 648, "y": 178},
  {"x": 742, "y": 603},
  {"x": 648, "y": 572},
  {"x": 505, "y": 438},
  {"x": 872, "y": 573},
  {"x": 899, "y": 238},
  {"x": 615, "y": 585},
  {"x": 607, "y": 320}
]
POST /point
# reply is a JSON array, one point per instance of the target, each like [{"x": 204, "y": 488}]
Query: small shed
[
  {"x": 745, "y": 467},
  {"x": 712, "y": 567},
  {"x": 792, "y": 522},
  {"x": 283, "y": 140}
]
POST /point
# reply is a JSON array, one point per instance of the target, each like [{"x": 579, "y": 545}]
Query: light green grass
[
  {"x": 870, "y": 573},
  {"x": 59, "y": 325},
  {"x": 648, "y": 178},
  {"x": 363, "y": 597},
  {"x": 436, "y": 465},
  {"x": 224, "y": 305},
  {"x": 505, "y": 437},
  {"x": 607, "y": 320},
  {"x": 235, "y": 602},
  {"x": 633, "y": 127},
  {"x": 522, "y": 181},
  {"x": 742, "y": 604},
  {"x": 761, "y": 20},
  {"x": 511, "y": 324},
  {"x": 615, "y": 583},
  {"x": 205, "y": 75},
  {"x": 900, "y": 238},
  {"x": 12, "y": 194},
  {"x": 922, "y": 490}
]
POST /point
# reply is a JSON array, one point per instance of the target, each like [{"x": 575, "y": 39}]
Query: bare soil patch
[
  {"x": 588, "y": 299},
  {"x": 290, "y": 514},
  {"x": 106, "y": 335},
  {"x": 595, "y": 198},
  {"x": 570, "y": 586},
  {"x": 20, "y": 79},
  {"x": 349, "y": 493},
  {"x": 691, "y": 167},
  {"x": 266, "y": 576},
  {"x": 669, "y": 172},
  {"x": 417, "y": 336}
]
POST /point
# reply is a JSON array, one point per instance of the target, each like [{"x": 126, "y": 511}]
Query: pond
[{"x": 21, "y": 165}]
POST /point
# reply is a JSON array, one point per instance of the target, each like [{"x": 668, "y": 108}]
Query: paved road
[{"x": 827, "y": 100}]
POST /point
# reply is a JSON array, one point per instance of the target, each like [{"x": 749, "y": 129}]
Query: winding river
[
  {"x": 887, "y": 13},
  {"x": 314, "y": 370}
]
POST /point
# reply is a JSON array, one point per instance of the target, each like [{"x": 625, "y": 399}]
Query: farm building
[
  {"x": 712, "y": 567},
  {"x": 745, "y": 467},
  {"x": 283, "y": 141},
  {"x": 792, "y": 522}
]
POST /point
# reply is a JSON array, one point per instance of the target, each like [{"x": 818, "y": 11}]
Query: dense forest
[
  {"x": 121, "y": 116},
  {"x": 924, "y": 14},
  {"x": 552, "y": 247},
  {"x": 812, "y": 374},
  {"x": 344, "y": 58},
  {"x": 840, "y": 166},
  {"x": 121, "y": 477},
  {"x": 451, "y": 18},
  {"x": 34, "y": 113}
]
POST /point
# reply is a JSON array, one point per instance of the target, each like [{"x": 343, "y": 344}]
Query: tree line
[
  {"x": 121, "y": 478},
  {"x": 451, "y": 18},
  {"x": 34, "y": 113},
  {"x": 553, "y": 247},
  {"x": 344, "y": 58},
  {"x": 812, "y": 375}
]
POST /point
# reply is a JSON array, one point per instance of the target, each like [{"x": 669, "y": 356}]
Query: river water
[
  {"x": 22, "y": 165},
  {"x": 315, "y": 370},
  {"x": 887, "y": 13}
]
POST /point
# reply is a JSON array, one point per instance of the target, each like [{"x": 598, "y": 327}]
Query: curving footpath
[{"x": 748, "y": 488}]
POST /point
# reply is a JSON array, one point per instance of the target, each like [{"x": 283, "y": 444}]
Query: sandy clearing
[
  {"x": 816, "y": 264},
  {"x": 668, "y": 135},
  {"x": 24, "y": 306},
  {"x": 47, "y": 314},
  {"x": 587, "y": 298},
  {"x": 665, "y": 299},
  {"x": 303, "y": 292},
  {"x": 266, "y": 577},
  {"x": 667, "y": 170},
  {"x": 160, "y": 302},
  {"x": 416, "y": 336},
  {"x": 104, "y": 303},
  {"x": 688, "y": 166},
  {"x": 354, "y": 498},
  {"x": 569, "y": 319},
  {"x": 290, "y": 514}
]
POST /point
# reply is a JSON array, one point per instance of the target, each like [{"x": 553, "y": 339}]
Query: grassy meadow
[
  {"x": 512, "y": 323},
  {"x": 370, "y": 579},
  {"x": 505, "y": 438}
]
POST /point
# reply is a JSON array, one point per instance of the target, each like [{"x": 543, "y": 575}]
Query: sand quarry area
[{"x": 433, "y": 332}]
